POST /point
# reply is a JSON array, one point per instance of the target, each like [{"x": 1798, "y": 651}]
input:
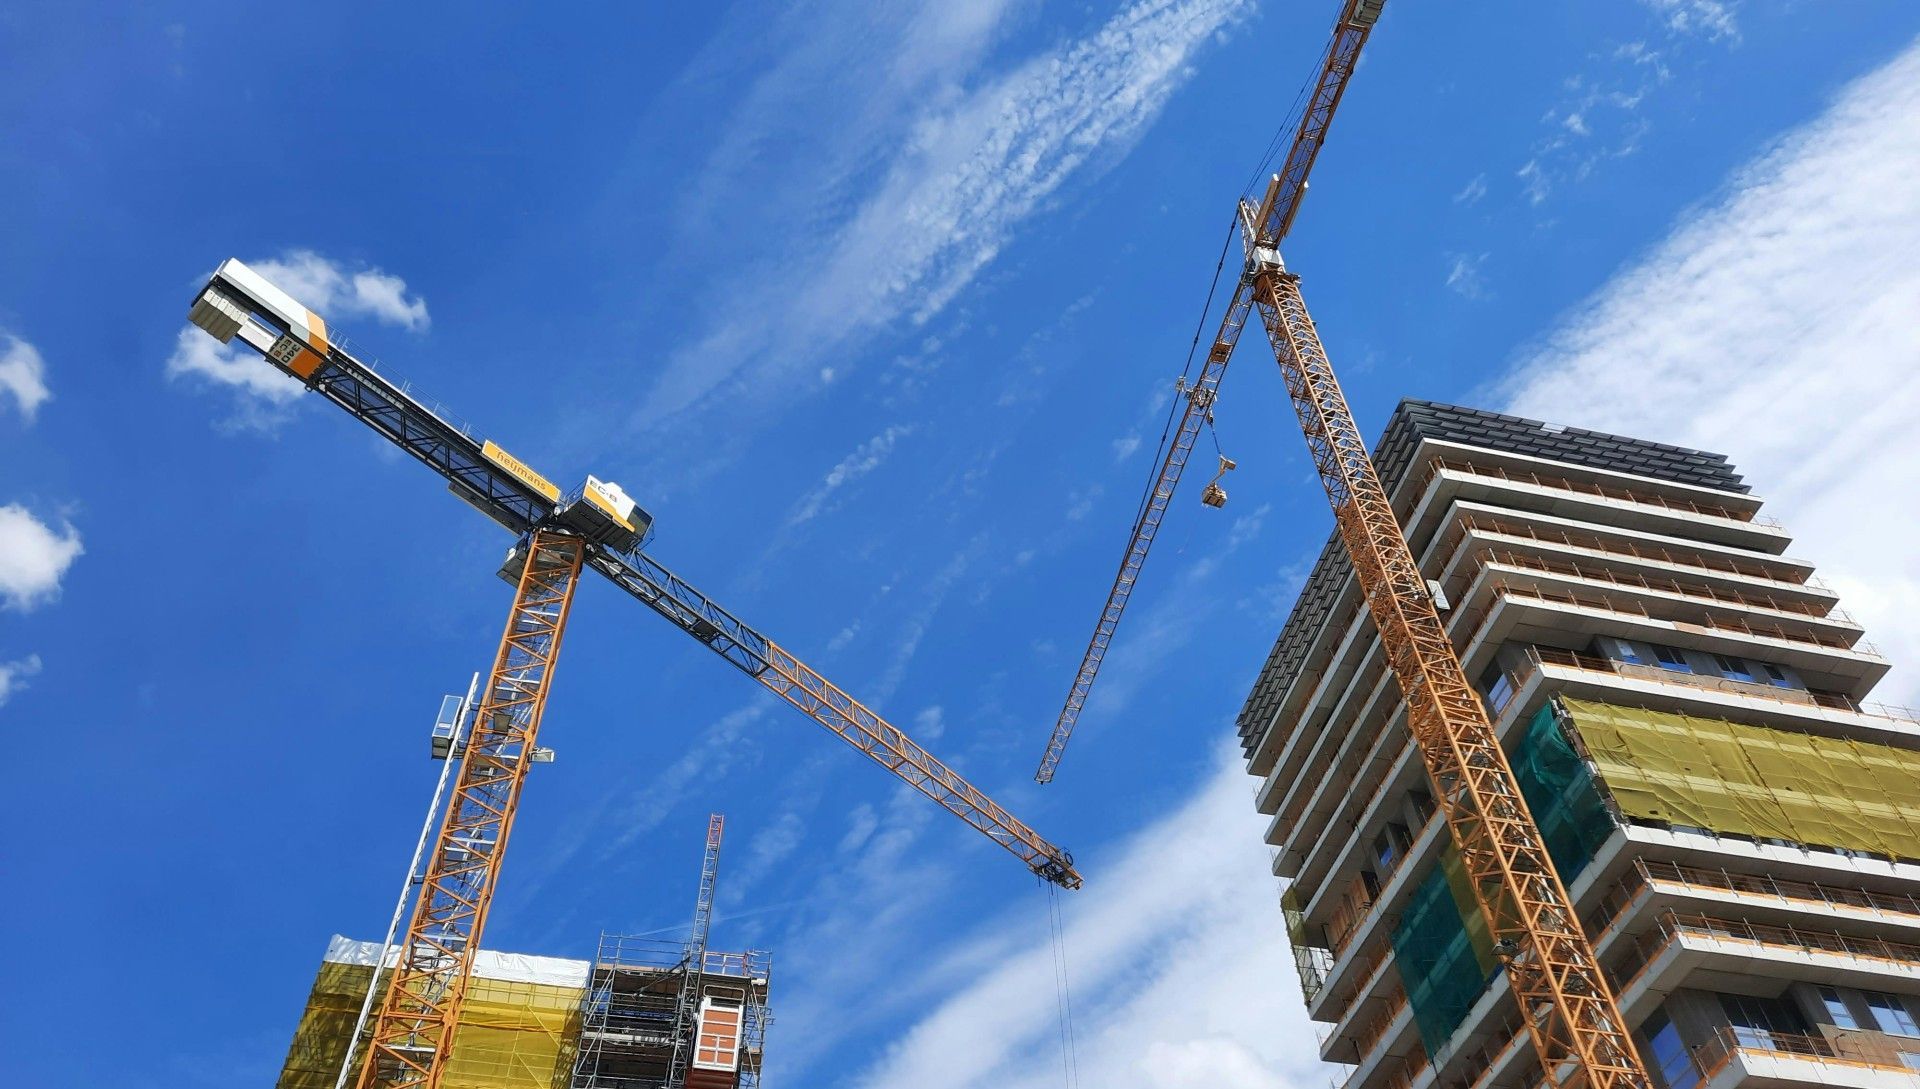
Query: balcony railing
[
  {"x": 1713, "y": 1056},
  {"x": 1705, "y": 594},
  {"x": 1710, "y": 623},
  {"x": 1538, "y": 655},
  {"x": 1706, "y": 562},
  {"x": 1587, "y": 487},
  {"x": 1672, "y": 926}
]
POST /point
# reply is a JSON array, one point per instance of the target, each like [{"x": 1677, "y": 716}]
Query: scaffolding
[{"x": 646, "y": 998}]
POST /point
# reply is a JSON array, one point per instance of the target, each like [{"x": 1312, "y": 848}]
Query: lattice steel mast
[
  {"x": 696, "y": 954},
  {"x": 417, "y": 1017}
]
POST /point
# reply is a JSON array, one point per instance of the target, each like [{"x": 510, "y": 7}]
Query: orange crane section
[
  {"x": 414, "y": 1028},
  {"x": 1564, "y": 998}
]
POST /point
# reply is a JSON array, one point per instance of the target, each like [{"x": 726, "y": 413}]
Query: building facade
[
  {"x": 531, "y": 1022},
  {"x": 1684, "y": 706}
]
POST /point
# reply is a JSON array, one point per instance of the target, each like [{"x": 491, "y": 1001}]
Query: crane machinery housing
[
  {"x": 1565, "y": 1001},
  {"x": 557, "y": 538}
]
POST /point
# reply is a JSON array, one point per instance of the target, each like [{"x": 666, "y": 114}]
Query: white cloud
[
  {"x": 34, "y": 557},
  {"x": 263, "y": 394},
  {"x": 929, "y": 723},
  {"x": 1776, "y": 324},
  {"x": 1463, "y": 275},
  {"x": 972, "y": 167},
  {"x": 1472, "y": 191},
  {"x": 13, "y": 675},
  {"x": 860, "y": 827},
  {"x": 1178, "y": 967},
  {"x": 1123, "y": 448},
  {"x": 336, "y": 292},
  {"x": 23, "y": 376},
  {"x": 864, "y": 459},
  {"x": 1710, "y": 19}
]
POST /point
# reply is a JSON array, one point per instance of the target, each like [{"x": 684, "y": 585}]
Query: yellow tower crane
[
  {"x": 1565, "y": 1000},
  {"x": 596, "y": 527}
]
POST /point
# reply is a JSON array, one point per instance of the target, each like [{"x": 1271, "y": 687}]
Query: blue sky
[{"x": 877, "y": 314}]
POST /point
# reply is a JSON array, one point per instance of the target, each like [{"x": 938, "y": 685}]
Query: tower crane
[
  {"x": 1565, "y": 1000},
  {"x": 696, "y": 951},
  {"x": 557, "y": 537}
]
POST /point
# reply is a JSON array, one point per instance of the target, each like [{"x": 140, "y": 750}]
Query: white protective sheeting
[{"x": 504, "y": 967}]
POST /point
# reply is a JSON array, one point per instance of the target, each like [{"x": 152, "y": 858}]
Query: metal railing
[
  {"x": 1587, "y": 487},
  {"x": 1670, "y": 927},
  {"x": 1705, "y": 623},
  {"x": 1702, "y": 593},
  {"x": 1706, "y": 562},
  {"x": 1538, "y": 655}
]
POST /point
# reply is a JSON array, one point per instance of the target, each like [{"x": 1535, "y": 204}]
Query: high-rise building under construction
[{"x": 1682, "y": 704}]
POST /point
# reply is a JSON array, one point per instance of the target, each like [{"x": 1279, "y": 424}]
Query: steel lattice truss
[
  {"x": 411, "y": 1034},
  {"x": 1564, "y": 998}
]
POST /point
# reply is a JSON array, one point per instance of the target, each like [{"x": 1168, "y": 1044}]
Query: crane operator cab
[{"x": 602, "y": 512}]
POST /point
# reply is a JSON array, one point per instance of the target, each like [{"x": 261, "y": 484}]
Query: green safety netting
[{"x": 1441, "y": 944}]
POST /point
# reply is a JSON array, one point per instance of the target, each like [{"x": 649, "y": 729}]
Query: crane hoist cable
[{"x": 1063, "y": 990}]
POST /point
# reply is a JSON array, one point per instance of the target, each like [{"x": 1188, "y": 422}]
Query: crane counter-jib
[{"x": 240, "y": 303}]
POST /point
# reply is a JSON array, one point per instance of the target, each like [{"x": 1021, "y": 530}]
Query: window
[
  {"x": 1909, "y": 1060},
  {"x": 1890, "y": 1014},
  {"x": 1732, "y": 669},
  {"x": 1624, "y": 651},
  {"x": 1837, "y": 1012},
  {"x": 1389, "y": 845},
  {"x": 1672, "y": 660},
  {"x": 1498, "y": 688},
  {"x": 1756, "y": 1020},
  {"x": 1777, "y": 676},
  {"x": 1667, "y": 1054}
]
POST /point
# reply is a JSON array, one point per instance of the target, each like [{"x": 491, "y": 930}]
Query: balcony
[
  {"x": 1731, "y": 1057},
  {"x": 1787, "y": 951}
]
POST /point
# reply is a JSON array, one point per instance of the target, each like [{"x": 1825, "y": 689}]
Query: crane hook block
[{"x": 1213, "y": 495}]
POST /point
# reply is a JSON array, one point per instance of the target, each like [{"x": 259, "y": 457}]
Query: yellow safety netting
[
  {"x": 1738, "y": 779},
  {"x": 512, "y": 1035}
]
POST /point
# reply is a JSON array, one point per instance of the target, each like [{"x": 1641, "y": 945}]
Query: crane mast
[
  {"x": 414, "y": 1028},
  {"x": 1568, "y": 1006},
  {"x": 696, "y": 954},
  {"x": 1283, "y": 201}
]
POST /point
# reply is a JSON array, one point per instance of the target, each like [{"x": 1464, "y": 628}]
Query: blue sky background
[{"x": 878, "y": 314}]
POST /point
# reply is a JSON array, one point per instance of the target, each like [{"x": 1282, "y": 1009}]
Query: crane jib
[{"x": 239, "y": 303}]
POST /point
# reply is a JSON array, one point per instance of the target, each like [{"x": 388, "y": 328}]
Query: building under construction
[
  {"x": 1681, "y": 701},
  {"x": 645, "y": 1013}
]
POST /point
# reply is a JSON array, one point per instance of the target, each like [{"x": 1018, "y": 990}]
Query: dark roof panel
[{"x": 1416, "y": 420}]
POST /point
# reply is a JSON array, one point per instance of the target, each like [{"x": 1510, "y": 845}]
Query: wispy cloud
[
  {"x": 864, "y": 459},
  {"x": 34, "y": 558},
  {"x": 1178, "y": 967},
  {"x": 263, "y": 396},
  {"x": 1463, "y": 275},
  {"x": 973, "y": 167},
  {"x": 23, "y": 376},
  {"x": 14, "y": 674},
  {"x": 1711, "y": 19},
  {"x": 1471, "y": 192},
  {"x": 1776, "y": 325},
  {"x": 1600, "y": 113}
]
